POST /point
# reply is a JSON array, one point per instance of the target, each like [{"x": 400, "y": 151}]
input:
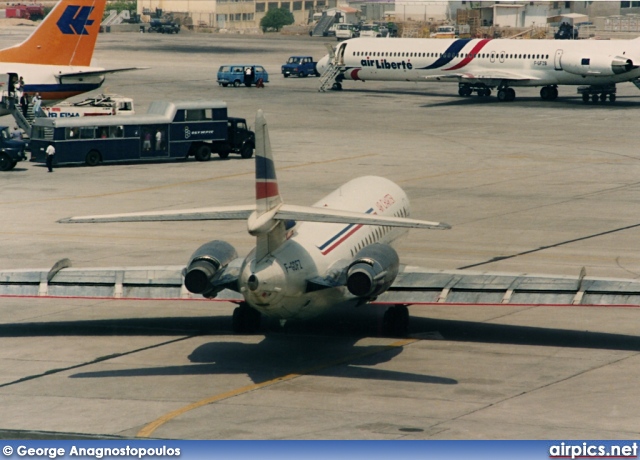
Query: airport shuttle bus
[{"x": 167, "y": 130}]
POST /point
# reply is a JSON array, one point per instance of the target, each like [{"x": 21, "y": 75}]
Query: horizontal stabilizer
[
  {"x": 217, "y": 213},
  {"x": 335, "y": 216}
]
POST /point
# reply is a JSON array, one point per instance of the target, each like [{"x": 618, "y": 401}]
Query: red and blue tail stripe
[
  {"x": 453, "y": 50},
  {"x": 266, "y": 181},
  {"x": 340, "y": 237}
]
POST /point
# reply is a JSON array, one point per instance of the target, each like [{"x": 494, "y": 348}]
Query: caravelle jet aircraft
[
  {"x": 306, "y": 259},
  {"x": 55, "y": 60},
  {"x": 336, "y": 253},
  {"x": 480, "y": 65}
]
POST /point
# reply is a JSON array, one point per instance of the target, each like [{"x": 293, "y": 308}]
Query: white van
[{"x": 345, "y": 31}]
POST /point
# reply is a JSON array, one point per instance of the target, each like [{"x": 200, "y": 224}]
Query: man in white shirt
[{"x": 51, "y": 151}]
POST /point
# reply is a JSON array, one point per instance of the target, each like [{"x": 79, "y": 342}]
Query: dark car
[{"x": 11, "y": 151}]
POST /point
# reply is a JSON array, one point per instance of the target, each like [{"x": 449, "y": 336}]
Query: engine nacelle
[
  {"x": 596, "y": 66},
  {"x": 203, "y": 265},
  {"x": 373, "y": 270}
]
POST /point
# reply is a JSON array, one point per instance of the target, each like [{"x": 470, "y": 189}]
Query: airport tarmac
[{"x": 528, "y": 186}]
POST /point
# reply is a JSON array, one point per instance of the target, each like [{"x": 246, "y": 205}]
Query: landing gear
[
  {"x": 506, "y": 94},
  {"x": 598, "y": 93},
  {"x": 549, "y": 93},
  {"x": 466, "y": 90},
  {"x": 337, "y": 86},
  {"x": 395, "y": 322},
  {"x": 246, "y": 320}
]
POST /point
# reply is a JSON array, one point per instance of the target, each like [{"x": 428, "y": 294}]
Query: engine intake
[
  {"x": 596, "y": 66},
  {"x": 204, "y": 264},
  {"x": 373, "y": 270}
]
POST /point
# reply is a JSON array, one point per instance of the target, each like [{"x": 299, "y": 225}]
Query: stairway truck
[
  {"x": 11, "y": 150},
  {"x": 168, "y": 130}
]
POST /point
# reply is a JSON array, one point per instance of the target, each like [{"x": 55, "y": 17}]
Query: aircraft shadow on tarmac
[
  {"x": 314, "y": 342},
  {"x": 622, "y": 102},
  {"x": 278, "y": 355}
]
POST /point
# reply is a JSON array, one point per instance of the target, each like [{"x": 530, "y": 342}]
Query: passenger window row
[{"x": 449, "y": 55}]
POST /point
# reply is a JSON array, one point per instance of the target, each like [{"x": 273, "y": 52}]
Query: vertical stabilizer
[
  {"x": 67, "y": 36},
  {"x": 267, "y": 193}
]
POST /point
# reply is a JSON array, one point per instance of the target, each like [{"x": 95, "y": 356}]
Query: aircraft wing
[
  {"x": 489, "y": 77},
  {"x": 413, "y": 286},
  {"x": 138, "y": 283},
  {"x": 417, "y": 286},
  {"x": 96, "y": 73}
]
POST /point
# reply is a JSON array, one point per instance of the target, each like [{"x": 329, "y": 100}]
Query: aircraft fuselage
[{"x": 277, "y": 284}]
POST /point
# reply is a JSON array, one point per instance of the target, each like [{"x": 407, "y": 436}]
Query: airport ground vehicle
[
  {"x": 167, "y": 130},
  {"x": 11, "y": 151},
  {"x": 370, "y": 30},
  {"x": 345, "y": 31},
  {"x": 302, "y": 66},
  {"x": 34, "y": 11},
  {"x": 163, "y": 27},
  {"x": 235, "y": 74},
  {"x": 102, "y": 104}
]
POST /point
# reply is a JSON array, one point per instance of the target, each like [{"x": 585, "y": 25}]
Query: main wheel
[
  {"x": 93, "y": 158},
  {"x": 396, "y": 321},
  {"x": 203, "y": 153},
  {"x": 612, "y": 97},
  {"x": 6, "y": 164},
  {"x": 246, "y": 320},
  {"x": 545, "y": 93},
  {"x": 464, "y": 91},
  {"x": 502, "y": 95},
  {"x": 585, "y": 97},
  {"x": 337, "y": 86},
  {"x": 511, "y": 94},
  {"x": 246, "y": 151}
]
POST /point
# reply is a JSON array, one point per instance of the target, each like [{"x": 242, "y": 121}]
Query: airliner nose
[{"x": 322, "y": 64}]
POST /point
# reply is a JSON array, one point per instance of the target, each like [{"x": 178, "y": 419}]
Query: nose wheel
[{"x": 246, "y": 320}]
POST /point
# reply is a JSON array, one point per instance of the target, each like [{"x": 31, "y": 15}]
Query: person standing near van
[
  {"x": 51, "y": 152},
  {"x": 248, "y": 76}
]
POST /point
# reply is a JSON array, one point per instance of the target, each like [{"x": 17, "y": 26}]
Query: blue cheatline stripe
[
  {"x": 450, "y": 53},
  {"x": 55, "y": 88},
  {"x": 340, "y": 233},
  {"x": 265, "y": 169}
]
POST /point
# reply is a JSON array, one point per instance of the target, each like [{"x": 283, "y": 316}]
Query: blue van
[{"x": 238, "y": 74}]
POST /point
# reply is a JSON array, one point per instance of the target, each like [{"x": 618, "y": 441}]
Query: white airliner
[
  {"x": 480, "y": 65},
  {"x": 306, "y": 259},
  {"x": 55, "y": 60}
]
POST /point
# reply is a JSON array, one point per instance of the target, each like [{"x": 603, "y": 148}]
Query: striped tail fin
[
  {"x": 67, "y": 36},
  {"x": 270, "y": 232},
  {"x": 267, "y": 193}
]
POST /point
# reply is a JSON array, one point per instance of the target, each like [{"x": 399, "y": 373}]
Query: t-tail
[{"x": 67, "y": 36}]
